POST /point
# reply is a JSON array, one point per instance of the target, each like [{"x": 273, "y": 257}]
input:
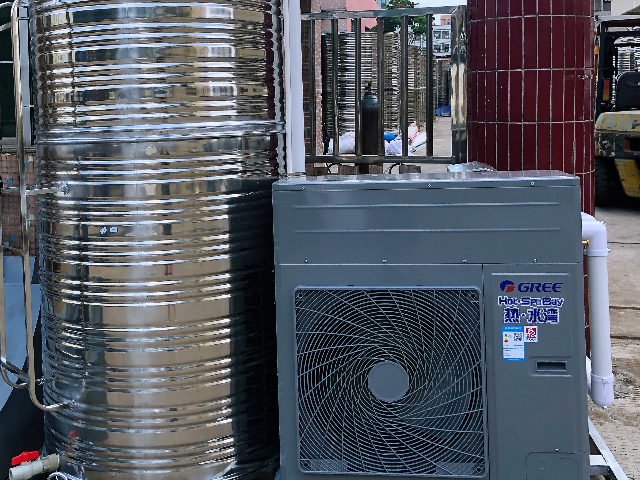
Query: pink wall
[{"x": 355, "y": 5}]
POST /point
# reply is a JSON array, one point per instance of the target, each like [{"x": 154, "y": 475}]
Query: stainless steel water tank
[{"x": 165, "y": 121}]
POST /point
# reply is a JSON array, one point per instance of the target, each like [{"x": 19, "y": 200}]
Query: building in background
[
  {"x": 622, "y": 7},
  {"x": 602, "y": 8},
  {"x": 444, "y": 19},
  {"x": 442, "y": 39}
]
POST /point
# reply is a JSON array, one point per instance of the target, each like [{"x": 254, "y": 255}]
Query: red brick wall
[
  {"x": 531, "y": 86},
  {"x": 11, "y": 235}
]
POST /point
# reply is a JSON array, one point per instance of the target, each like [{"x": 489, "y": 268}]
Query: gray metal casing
[{"x": 472, "y": 230}]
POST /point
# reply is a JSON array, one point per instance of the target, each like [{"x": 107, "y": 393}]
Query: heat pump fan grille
[{"x": 390, "y": 381}]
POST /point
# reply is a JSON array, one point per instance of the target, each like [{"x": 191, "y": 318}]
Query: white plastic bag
[
  {"x": 390, "y": 148},
  {"x": 419, "y": 141},
  {"x": 347, "y": 144},
  {"x": 394, "y": 147},
  {"x": 412, "y": 132}
]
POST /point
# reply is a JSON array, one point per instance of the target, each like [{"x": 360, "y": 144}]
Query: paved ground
[
  {"x": 442, "y": 136},
  {"x": 441, "y": 142}
]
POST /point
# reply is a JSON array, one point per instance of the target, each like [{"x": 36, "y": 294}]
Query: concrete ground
[
  {"x": 620, "y": 424},
  {"x": 442, "y": 136}
]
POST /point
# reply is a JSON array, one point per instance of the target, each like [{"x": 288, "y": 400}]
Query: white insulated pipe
[
  {"x": 601, "y": 378},
  {"x": 294, "y": 109}
]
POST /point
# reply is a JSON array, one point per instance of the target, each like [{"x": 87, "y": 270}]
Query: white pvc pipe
[
  {"x": 294, "y": 109},
  {"x": 598, "y": 281},
  {"x": 26, "y": 470}
]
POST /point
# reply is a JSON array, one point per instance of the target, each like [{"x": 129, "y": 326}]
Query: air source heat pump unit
[{"x": 431, "y": 326}]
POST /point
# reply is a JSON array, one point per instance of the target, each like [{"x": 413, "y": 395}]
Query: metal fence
[{"x": 403, "y": 73}]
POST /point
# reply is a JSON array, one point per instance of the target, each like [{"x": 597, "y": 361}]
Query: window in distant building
[{"x": 446, "y": 34}]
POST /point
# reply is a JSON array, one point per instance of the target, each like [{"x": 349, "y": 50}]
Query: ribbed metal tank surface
[{"x": 165, "y": 121}]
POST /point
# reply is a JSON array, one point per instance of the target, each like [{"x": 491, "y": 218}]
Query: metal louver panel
[{"x": 390, "y": 381}]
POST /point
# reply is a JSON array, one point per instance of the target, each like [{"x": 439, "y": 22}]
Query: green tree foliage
[{"x": 418, "y": 25}]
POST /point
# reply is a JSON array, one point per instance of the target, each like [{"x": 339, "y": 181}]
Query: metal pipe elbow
[{"x": 596, "y": 233}]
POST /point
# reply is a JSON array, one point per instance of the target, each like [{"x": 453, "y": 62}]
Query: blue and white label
[{"x": 513, "y": 342}]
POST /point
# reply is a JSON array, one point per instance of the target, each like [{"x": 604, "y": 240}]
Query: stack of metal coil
[
  {"x": 626, "y": 59},
  {"x": 392, "y": 82},
  {"x": 369, "y": 73},
  {"x": 628, "y": 54},
  {"x": 441, "y": 78},
  {"x": 421, "y": 88},
  {"x": 417, "y": 94},
  {"x": 347, "y": 75},
  {"x": 414, "y": 75},
  {"x": 326, "y": 66}
]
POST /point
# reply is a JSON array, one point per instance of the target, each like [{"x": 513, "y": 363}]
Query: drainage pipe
[{"x": 595, "y": 233}]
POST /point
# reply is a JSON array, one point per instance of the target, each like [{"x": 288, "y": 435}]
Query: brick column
[{"x": 531, "y": 86}]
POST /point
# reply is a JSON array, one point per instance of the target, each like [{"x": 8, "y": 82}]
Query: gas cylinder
[{"x": 370, "y": 133}]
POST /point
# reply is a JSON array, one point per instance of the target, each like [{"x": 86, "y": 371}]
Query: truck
[{"x": 617, "y": 128}]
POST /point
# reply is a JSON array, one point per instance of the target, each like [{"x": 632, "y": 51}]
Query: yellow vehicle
[{"x": 617, "y": 129}]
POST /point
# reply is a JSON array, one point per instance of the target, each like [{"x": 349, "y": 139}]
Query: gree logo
[
  {"x": 529, "y": 287},
  {"x": 507, "y": 286}
]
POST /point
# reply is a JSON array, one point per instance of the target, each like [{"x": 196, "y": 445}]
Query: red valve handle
[{"x": 24, "y": 457}]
